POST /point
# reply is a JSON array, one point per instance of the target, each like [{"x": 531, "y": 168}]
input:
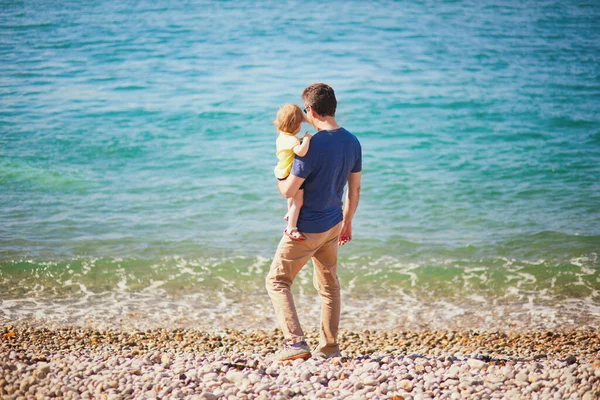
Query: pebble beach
[{"x": 73, "y": 363}]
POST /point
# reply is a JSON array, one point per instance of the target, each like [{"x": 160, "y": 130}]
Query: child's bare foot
[
  {"x": 286, "y": 217},
  {"x": 294, "y": 234}
]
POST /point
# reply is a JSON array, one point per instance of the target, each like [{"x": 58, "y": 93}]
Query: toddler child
[{"x": 288, "y": 123}]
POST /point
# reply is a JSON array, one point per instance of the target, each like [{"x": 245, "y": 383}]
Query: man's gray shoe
[
  {"x": 292, "y": 352},
  {"x": 318, "y": 353}
]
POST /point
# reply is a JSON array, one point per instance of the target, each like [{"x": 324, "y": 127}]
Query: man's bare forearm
[
  {"x": 290, "y": 186},
  {"x": 351, "y": 204}
]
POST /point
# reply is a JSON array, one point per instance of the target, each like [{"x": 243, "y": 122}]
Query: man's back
[{"x": 332, "y": 156}]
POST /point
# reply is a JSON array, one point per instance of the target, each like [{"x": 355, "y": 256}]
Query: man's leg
[
  {"x": 326, "y": 282},
  {"x": 289, "y": 259}
]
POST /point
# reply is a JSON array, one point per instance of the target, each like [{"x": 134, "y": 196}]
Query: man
[{"x": 334, "y": 158}]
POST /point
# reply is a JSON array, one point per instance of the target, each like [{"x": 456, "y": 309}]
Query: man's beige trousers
[{"x": 289, "y": 259}]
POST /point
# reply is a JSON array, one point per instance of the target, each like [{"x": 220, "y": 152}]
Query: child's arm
[{"x": 301, "y": 149}]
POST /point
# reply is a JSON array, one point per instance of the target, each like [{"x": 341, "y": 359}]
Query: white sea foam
[
  {"x": 463, "y": 296},
  {"x": 527, "y": 279},
  {"x": 153, "y": 286}
]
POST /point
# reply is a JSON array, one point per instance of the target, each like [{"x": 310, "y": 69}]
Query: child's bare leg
[
  {"x": 286, "y": 217},
  {"x": 294, "y": 213}
]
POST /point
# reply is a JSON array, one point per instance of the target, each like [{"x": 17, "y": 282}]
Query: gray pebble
[{"x": 571, "y": 359}]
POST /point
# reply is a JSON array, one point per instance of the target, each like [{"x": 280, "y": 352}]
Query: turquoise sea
[{"x": 136, "y": 158}]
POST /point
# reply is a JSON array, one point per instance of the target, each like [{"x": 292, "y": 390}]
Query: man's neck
[{"x": 326, "y": 124}]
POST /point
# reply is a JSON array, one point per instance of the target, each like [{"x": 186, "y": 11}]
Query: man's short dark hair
[{"x": 321, "y": 98}]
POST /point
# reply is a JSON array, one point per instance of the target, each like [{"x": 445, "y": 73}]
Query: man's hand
[
  {"x": 345, "y": 233},
  {"x": 350, "y": 205}
]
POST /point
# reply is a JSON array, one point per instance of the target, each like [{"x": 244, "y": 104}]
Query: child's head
[{"x": 289, "y": 118}]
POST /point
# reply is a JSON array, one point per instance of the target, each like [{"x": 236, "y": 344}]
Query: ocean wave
[{"x": 217, "y": 292}]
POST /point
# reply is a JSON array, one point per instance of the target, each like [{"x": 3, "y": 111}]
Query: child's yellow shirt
[{"x": 285, "y": 143}]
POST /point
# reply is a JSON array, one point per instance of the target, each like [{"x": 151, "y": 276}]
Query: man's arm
[
  {"x": 290, "y": 186},
  {"x": 350, "y": 205}
]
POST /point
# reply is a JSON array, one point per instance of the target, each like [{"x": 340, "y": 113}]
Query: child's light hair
[{"x": 289, "y": 118}]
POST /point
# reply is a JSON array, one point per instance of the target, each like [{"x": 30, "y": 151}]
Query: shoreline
[{"x": 73, "y": 362}]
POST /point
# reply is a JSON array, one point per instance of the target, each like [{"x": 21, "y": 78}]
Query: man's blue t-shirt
[{"x": 332, "y": 156}]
